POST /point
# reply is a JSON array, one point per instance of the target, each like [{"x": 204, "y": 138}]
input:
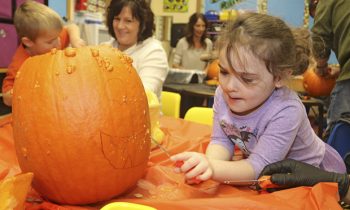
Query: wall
[{"x": 59, "y": 6}]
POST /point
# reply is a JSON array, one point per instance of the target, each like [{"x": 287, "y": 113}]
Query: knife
[
  {"x": 262, "y": 183},
  {"x": 178, "y": 163}
]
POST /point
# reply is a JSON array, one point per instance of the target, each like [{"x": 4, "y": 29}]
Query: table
[
  {"x": 194, "y": 94},
  {"x": 171, "y": 193}
]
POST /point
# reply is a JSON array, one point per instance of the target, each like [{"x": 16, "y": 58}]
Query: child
[
  {"x": 252, "y": 108},
  {"x": 40, "y": 29}
]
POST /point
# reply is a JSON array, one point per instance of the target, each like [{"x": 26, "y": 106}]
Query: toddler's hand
[
  {"x": 78, "y": 42},
  {"x": 196, "y": 166}
]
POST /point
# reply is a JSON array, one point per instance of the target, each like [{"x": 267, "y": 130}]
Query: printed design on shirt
[{"x": 238, "y": 137}]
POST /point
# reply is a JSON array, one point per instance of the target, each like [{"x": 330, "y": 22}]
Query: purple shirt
[{"x": 277, "y": 130}]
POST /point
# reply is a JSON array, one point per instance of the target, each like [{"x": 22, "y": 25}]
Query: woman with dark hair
[
  {"x": 190, "y": 48},
  {"x": 131, "y": 24}
]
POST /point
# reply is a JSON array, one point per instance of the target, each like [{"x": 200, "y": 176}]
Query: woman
[
  {"x": 130, "y": 23},
  {"x": 190, "y": 48}
]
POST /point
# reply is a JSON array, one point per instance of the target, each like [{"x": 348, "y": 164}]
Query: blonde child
[
  {"x": 254, "y": 110},
  {"x": 39, "y": 29}
]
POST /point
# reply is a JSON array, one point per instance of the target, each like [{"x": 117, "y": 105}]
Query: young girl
[{"x": 252, "y": 108}]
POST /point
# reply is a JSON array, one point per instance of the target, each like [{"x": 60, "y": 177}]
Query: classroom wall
[{"x": 59, "y": 6}]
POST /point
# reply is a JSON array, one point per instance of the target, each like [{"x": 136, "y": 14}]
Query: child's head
[
  {"x": 256, "y": 53},
  {"x": 269, "y": 39},
  {"x": 38, "y": 27}
]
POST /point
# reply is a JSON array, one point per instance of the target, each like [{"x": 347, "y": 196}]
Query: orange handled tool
[
  {"x": 265, "y": 183},
  {"x": 262, "y": 183}
]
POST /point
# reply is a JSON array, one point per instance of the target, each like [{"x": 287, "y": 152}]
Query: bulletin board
[{"x": 219, "y": 5}]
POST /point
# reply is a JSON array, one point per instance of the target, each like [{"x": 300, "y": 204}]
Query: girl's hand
[{"x": 195, "y": 166}]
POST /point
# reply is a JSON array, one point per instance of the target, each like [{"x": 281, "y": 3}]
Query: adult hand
[
  {"x": 333, "y": 70},
  {"x": 291, "y": 173},
  {"x": 196, "y": 166}
]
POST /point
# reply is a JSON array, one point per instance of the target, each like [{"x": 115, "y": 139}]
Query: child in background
[
  {"x": 39, "y": 29},
  {"x": 254, "y": 110}
]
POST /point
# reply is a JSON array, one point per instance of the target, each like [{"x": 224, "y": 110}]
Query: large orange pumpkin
[
  {"x": 316, "y": 85},
  {"x": 81, "y": 124},
  {"x": 213, "y": 70}
]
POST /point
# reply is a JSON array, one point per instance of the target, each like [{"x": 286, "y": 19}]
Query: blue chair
[{"x": 339, "y": 138}]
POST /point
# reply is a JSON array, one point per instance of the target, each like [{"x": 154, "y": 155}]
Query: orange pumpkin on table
[
  {"x": 81, "y": 124},
  {"x": 213, "y": 69},
  {"x": 213, "y": 72},
  {"x": 316, "y": 85}
]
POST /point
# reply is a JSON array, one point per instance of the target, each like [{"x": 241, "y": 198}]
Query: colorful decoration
[
  {"x": 175, "y": 6},
  {"x": 306, "y": 14},
  {"x": 81, "y": 124},
  {"x": 262, "y": 6}
]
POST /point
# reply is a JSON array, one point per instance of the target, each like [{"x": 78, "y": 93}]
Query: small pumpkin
[
  {"x": 213, "y": 70},
  {"x": 81, "y": 124},
  {"x": 316, "y": 85}
]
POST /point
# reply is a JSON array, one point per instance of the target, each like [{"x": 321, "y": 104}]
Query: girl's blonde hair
[
  {"x": 268, "y": 38},
  {"x": 33, "y": 18}
]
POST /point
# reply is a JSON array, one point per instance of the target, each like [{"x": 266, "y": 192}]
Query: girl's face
[
  {"x": 199, "y": 28},
  {"x": 248, "y": 85},
  {"x": 126, "y": 28}
]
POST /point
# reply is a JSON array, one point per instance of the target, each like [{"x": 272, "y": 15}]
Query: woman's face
[
  {"x": 248, "y": 85},
  {"x": 126, "y": 28},
  {"x": 199, "y": 28}
]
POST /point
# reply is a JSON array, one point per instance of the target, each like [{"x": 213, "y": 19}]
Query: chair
[
  {"x": 126, "y": 206},
  {"x": 339, "y": 138},
  {"x": 202, "y": 115},
  {"x": 171, "y": 104}
]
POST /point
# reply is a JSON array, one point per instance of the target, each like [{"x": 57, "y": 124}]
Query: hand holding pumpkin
[
  {"x": 77, "y": 42},
  {"x": 333, "y": 71},
  {"x": 196, "y": 166}
]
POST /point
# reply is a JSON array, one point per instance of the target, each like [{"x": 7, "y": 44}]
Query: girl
[
  {"x": 252, "y": 108},
  {"x": 190, "y": 48}
]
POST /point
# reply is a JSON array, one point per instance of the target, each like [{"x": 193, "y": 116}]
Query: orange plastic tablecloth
[{"x": 161, "y": 188}]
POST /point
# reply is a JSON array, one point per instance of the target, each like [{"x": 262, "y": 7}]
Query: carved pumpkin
[
  {"x": 81, "y": 124},
  {"x": 213, "y": 70},
  {"x": 316, "y": 85}
]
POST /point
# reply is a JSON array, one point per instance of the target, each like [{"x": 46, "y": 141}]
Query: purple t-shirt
[{"x": 277, "y": 130}]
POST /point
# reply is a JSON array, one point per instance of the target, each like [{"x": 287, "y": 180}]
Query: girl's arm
[
  {"x": 197, "y": 165},
  {"x": 224, "y": 169},
  {"x": 231, "y": 170}
]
